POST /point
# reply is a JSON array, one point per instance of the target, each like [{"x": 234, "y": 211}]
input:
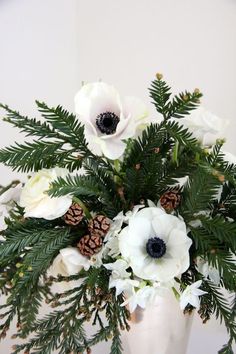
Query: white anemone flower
[
  {"x": 191, "y": 295},
  {"x": 108, "y": 118},
  {"x": 155, "y": 245}
]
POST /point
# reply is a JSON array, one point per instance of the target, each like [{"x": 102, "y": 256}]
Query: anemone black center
[
  {"x": 156, "y": 247},
  {"x": 107, "y": 122}
]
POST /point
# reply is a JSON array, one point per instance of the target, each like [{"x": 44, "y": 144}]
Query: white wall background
[{"x": 48, "y": 47}]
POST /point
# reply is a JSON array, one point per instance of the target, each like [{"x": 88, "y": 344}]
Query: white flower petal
[
  {"x": 153, "y": 222},
  {"x": 37, "y": 202},
  {"x": 96, "y": 98},
  {"x": 135, "y": 108}
]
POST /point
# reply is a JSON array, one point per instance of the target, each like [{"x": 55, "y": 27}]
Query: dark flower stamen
[
  {"x": 107, "y": 122},
  {"x": 156, "y": 247}
]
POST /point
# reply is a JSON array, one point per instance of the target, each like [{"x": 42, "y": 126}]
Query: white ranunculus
[
  {"x": 69, "y": 262},
  {"x": 155, "y": 245},
  {"x": 7, "y": 202},
  {"x": 36, "y": 201},
  {"x": 229, "y": 157},
  {"x": 108, "y": 118},
  {"x": 205, "y": 126},
  {"x": 191, "y": 295}
]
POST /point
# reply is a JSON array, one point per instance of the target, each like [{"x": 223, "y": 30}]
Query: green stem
[
  {"x": 11, "y": 185},
  {"x": 85, "y": 209},
  {"x": 175, "y": 153}
]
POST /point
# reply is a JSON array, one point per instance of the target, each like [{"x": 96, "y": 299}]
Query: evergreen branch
[
  {"x": 33, "y": 156},
  {"x": 67, "y": 124},
  {"x": 224, "y": 262},
  {"x": 183, "y": 104},
  {"x": 150, "y": 142},
  {"x": 75, "y": 185},
  {"x": 182, "y": 135},
  {"x": 160, "y": 93},
  {"x": 222, "y": 309},
  {"x": 223, "y": 230},
  {"x": 202, "y": 187},
  {"x": 31, "y": 126}
]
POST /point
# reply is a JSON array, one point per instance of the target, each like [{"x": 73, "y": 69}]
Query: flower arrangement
[{"x": 118, "y": 209}]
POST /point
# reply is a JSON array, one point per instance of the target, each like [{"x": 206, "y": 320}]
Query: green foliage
[
  {"x": 222, "y": 309},
  {"x": 179, "y": 106},
  {"x": 76, "y": 185},
  {"x": 152, "y": 164},
  {"x": 202, "y": 187}
]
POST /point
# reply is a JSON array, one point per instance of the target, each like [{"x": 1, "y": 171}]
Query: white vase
[{"x": 159, "y": 329}]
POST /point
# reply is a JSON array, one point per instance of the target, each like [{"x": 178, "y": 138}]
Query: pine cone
[
  {"x": 170, "y": 200},
  {"x": 99, "y": 225},
  {"x": 90, "y": 245},
  {"x": 74, "y": 215}
]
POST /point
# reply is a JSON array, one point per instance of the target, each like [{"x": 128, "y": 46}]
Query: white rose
[
  {"x": 155, "y": 245},
  {"x": 108, "y": 119},
  {"x": 36, "y": 201},
  {"x": 69, "y": 262},
  {"x": 205, "y": 126}
]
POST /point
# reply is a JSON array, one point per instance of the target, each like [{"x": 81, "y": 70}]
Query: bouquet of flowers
[{"x": 119, "y": 208}]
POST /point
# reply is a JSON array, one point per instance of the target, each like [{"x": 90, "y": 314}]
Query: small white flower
[
  {"x": 36, "y": 201},
  {"x": 205, "y": 126},
  {"x": 142, "y": 297},
  {"x": 118, "y": 269},
  {"x": 69, "y": 262},
  {"x": 191, "y": 295},
  {"x": 155, "y": 245},
  {"x": 124, "y": 285},
  {"x": 108, "y": 119},
  {"x": 111, "y": 242},
  {"x": 208, "y": 270}
]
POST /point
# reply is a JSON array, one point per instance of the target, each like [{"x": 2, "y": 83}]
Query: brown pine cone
[
  {"x": 99, "y": 225},
  {"x": 74, "y": 215},
  {"x": 170, "y": 200},
  {"x": 90, "y": 245}
]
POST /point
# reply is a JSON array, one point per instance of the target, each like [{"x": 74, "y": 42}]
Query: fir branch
[
  {"x": 77, "y": 185},
  {"x": 222, "y": 310},
  {"x": 33, "y": 156},
  {"x": 160, "y": 93},
  {"x": 179, "y": 106},
  {"x": 182, "y": 135},
  {"x": 202, "y": 187},
  {"x": 30, "y": 126},
  {"x": 223, "y": 230},
  {"x": 150, "y": 142},
  {"x": 183, "y": 104},
  {"x": 66, "y": 123}
]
